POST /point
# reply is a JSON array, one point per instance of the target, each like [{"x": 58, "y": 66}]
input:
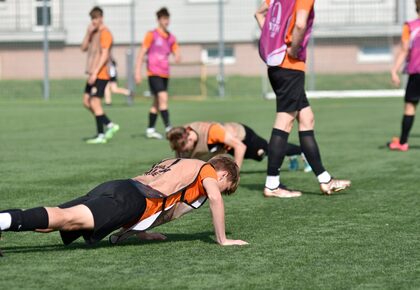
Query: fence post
[
  {"x": 221, "y": 76},
  {"x": 46, "y": 48}
]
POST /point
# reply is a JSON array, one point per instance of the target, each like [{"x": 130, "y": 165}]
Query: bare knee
[{"x": 410, "y": 109}]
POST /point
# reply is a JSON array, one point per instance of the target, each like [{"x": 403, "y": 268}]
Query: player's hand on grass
[
  {"x": 151, "y": 236},
  {"x": 229, "y": 242},
  {"x": 395, "y": 79}
]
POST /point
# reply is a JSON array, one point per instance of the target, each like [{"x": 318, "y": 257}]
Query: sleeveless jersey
[
  {"x": 272, "y": 44},
  {"x": 413, "y": 58},
  {"x": 158, "y": 53}
]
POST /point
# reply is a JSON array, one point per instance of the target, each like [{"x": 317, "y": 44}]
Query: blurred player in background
[
  {"x": 286, "y": 27},
  {"x": 158, "y": 45},
  {"x": 98, "y": 43},
  {"x": 204, "y": 140},
  {"x": 112, "y": 87},
  {"x": 409, "y": 53}
]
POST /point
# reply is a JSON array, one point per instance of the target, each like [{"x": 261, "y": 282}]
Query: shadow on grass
[{"x": 133, "y": 241}]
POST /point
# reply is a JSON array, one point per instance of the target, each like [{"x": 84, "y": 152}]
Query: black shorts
[
  {"x": 412, "y": 92},
  {"x": 113, "y": 204},
  {"x": 253, "y": 144},
  {"x": 97, "y": 89},
  {"x": 113, "y": 79},
  {"x": 158, "y": 84},
  {"x": 289, "y": 87}
]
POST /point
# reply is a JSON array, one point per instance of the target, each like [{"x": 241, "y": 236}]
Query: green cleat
[
  {"x": 100, "y": 139},
  {"x": 111, "y": 131}
]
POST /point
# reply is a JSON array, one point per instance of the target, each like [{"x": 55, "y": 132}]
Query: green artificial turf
[{"x": 364, "y": 238}]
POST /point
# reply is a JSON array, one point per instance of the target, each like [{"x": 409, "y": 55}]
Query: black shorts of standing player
[
  {"x": 158, "y": 84},
  {"x": 97, "y": 89},
  {"x": 412, "y": 92},
  {"x": 113, "y": 204},
  {"x": 289, "y": 87}
]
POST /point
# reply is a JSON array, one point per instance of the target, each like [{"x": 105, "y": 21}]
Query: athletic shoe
[
  {"x": 395, "y": 145},
  {"x": 335, "y": 185},
  {"x": 111, "y": 131},
  {"x": 152, "y": 134},
  {"x": 100, "y": 139},
  {"x": 167, "y": 129},
  {"x": 293, "y": 163},
  {"x": 281, "y": 192},
  {"x": 306, "y": 166}
]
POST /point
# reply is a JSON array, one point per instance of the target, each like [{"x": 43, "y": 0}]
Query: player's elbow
[{"x": 300, "y": 25}]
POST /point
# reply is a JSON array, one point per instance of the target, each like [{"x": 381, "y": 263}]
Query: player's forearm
[
  {"x": 218, "y": 215},
  {"x": 239, "y": 153},
  {"x": 298, "y": 35},
  {"x": 260, "y": 19},
  {"x": 85, "y": 43},
  {"x": 139, "y": 61},
  {"x": 399, "y": 62}
]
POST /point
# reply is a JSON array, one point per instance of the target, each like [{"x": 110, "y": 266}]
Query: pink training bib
[
  {"x": 158, "y": 54},
  {"x": 272, "y": 45},
  {"x": 413, "y": 58}
]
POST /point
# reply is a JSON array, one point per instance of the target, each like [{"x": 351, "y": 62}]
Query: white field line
[{"x": 349, "y": 94}]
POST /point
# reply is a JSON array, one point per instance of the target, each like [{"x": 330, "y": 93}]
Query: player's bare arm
[
  {"x": 218, "y": 213},
  {"x": 239, "y": 148},
  {"x": 88, "y": 36},
  {"x": 298, "y": 33},
  {"x": 401, "y": 57},
  {"x": 260, "y": 14},
  {"x": 139, "y": 64}
]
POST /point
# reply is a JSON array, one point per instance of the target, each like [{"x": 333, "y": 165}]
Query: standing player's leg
[
  {"x": 86, "y": 97},
  {"x": 411, "y": 99},
  {"x": 108, "y": 96},
  {"x": 163, "y": 103},
  {"x": 310, "y": 148},
  {"x": 283, "y": 83},
  {"x": 100, "y": 116},
  {"x": 401, "y": 144}
]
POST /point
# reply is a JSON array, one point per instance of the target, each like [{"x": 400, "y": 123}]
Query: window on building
[
  {"x": 372, "y": 54},
  {"x": 39, "y": 6},
  {"x": 210, "y": 55}
]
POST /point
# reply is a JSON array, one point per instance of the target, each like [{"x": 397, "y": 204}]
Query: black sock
[
  {"x": 29, "y": 220},
  {"x": 99, "y": 124},
  {"x": 152, "y": 120},
  {"x": 311, "y": 151},
  {"x": 105, "y": 120},
  {"x": 293, "y": 149},
  {"x": 165, "y": 117},
  {"x": 276, "y": 151},
  {"x": 407, "y": 123}
]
